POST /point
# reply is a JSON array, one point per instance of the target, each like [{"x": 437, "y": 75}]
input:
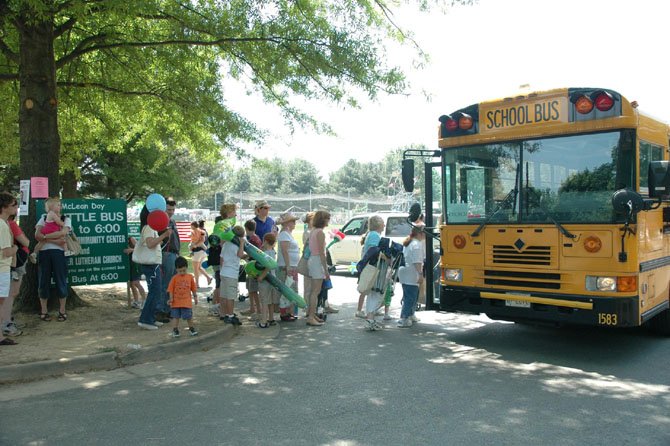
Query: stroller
[{"x": 382, "y": 290}]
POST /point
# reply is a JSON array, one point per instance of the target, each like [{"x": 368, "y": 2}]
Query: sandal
[
  {"x": 62, "y": 317},
  {"x": 45, "y": 317}
]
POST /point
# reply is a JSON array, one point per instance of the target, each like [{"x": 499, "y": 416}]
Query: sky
[{"x": 488, "y": 51}]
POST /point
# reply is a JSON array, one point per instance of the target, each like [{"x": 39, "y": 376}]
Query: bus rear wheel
[{"x": 660, "y": 324}]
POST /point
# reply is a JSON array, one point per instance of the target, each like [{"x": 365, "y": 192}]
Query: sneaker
[
  {"x": 11, "y": 330},
  {"x": 387, "y": 317},
  {"x": 193, "y": 331},
  {"x": 213, "y": 310},
  {"x": 175, "y": 333},
  {"x": 259, "y": 325},
  {"x": 272, "y": 322},
  {"x": 372, "y": 325},
  {"x": 413, "y": 318},
  {"x": 136, "y": 305},
  {"x": 225, "y": 319},
  {"x": 147, "y": 326},
  {"x": 404, "y": 323},
  {"x": 235, "y": 320},
  {"x": 360, "y": 313},
  {"x": 158, "y": 324}
]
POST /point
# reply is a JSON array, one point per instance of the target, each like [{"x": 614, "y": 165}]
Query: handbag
[
  {"x": 367, "y": 278},
  {"x": 72, "y": 244},
  {"x": 302, "y": 266},
  {"x": 142, "y": 254}
]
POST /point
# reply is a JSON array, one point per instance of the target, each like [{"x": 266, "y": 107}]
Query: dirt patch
[{"x": 106, "y": 324}]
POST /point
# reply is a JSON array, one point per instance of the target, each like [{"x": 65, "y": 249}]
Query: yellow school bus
[{"x": 555, "y": 210}]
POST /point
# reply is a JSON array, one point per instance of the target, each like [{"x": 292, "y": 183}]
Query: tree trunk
[{"x": 38, "y": 129}]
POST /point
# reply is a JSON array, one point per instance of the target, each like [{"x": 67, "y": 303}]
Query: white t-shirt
[
  {"x": 413, "y": 253},
  {"x": 230, "y": 263},
  {"x": 67, "y": 223},
  {"x": 293, "y": 250},
  {"x": 6, "y": 241}
]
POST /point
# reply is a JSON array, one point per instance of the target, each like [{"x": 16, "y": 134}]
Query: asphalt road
[{"x": 451, "y": 380}]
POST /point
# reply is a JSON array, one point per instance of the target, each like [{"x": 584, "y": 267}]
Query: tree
[{"x": 108, "y": 68}]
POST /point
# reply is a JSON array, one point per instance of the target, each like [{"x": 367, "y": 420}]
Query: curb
[{"x": 32, "y": 371}]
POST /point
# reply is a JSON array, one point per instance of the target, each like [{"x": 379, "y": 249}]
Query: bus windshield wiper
[
  {"x": 510, "y": 198},
  {"x": 551, "y": 218}
]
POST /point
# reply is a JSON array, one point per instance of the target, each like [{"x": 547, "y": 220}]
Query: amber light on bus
[{"x": 592, "y": 244}]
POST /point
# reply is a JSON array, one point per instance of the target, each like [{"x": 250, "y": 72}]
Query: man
[
  {"x": 264, "y": 223},
  {"x": 170, "y": 248}
]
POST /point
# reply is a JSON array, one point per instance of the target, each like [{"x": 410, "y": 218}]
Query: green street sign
[{"x": 102, "y": 229}]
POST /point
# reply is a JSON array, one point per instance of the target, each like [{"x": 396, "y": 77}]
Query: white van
[{"x": 348, "y": 250}]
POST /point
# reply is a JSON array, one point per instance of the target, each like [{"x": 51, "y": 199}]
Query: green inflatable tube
[{"x": 253, "y": 270}]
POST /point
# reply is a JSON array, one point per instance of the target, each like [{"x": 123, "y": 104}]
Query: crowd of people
[{"x": 171, "y": 290}]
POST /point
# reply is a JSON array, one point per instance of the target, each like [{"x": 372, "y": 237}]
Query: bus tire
[{"x": 660, "y": 324}]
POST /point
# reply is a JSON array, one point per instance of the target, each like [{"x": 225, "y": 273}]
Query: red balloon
[{"x": 158, "y": 220}]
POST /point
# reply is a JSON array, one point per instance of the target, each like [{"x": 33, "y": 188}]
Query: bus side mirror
[
  {"x": 408, "y": 174},
  {"x": 628, "y": 202},
  {"x": 659, "y": 177}
]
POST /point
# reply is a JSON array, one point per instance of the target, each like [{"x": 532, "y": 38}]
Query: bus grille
[
  {"x": 532, "y": 255},
  {"x": 550, "y": 281}
]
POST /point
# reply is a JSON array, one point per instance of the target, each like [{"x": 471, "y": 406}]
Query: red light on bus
[
  {"x": 583, "y": 105},
  {"x": 465, "y": 122},
  {"x": 604, "y": 101},
  {"x": 451, "y": 125}
]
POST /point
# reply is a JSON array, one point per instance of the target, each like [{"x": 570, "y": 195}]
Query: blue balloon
[
  {"x": 204, "y": 264},
  {"x": 156, "y": 202}
]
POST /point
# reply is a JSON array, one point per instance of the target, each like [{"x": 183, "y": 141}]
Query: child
[
  {"x": 269, "y": 297},
  {"x": 135, "y": 276},
  {"x": 252, "y": 284},
  {"x": 53, "y": 223},
  {"x": 181, "y": 288},
  {"x": 230, "y": 271}
]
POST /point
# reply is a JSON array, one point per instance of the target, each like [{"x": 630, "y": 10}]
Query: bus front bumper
[{"x": 520, "y": 306}]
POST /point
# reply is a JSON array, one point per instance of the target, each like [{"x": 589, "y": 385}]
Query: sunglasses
[{"x": 171, "y": 203}]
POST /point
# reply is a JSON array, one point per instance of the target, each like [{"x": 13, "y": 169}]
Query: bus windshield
[{"x": 566, "y": 179}]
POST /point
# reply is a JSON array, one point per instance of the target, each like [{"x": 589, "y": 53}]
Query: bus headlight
[
  {"x": 453, "y": 274},
  {"x": 601, "y": 283}
]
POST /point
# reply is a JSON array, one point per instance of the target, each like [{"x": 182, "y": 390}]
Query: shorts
[
  {"x": 316, "y": 268},
  {"x": 252, "y": 285},
  {"x": 268, "y": 294},
  {"x": 135, "y": 272},
  {"x": 5, "y": 279},
  {"x": 181, "y": 313},
  {"x": 198, "y": 256},
  {"x": 229, "y": 288},
  {"x": 18, "y": 272},
  {"x": 281, "y": 276}
]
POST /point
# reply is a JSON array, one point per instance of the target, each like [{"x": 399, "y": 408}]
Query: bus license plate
[{"x": 517, "y": 303}]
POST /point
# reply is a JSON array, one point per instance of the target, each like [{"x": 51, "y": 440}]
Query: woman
[
  {"x": 8, "y": 250},
  {"x": 198, "y": 253},
  {"x": 9, "y": 327},
  {"x": 307, "y": 230},
  {"x": 317, "y": 264},
  {"x": 287, "y": 259},
  {"x": 411, "y": 275},
  {"x": 52, "y": 263},
  {"x": 371, "y": 239},
  {"x": 151, "y": 268}
]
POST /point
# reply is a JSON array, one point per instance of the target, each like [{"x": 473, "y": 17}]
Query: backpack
[{"x": 214, "y": 255}]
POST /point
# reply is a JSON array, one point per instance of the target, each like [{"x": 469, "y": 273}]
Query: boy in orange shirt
[{"x": 181, "y": 288}]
